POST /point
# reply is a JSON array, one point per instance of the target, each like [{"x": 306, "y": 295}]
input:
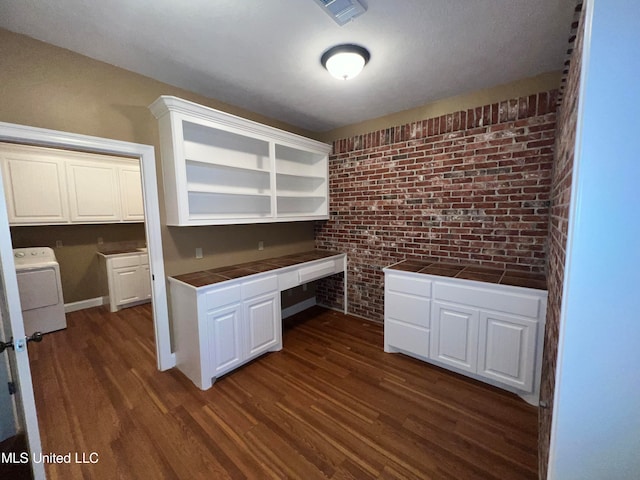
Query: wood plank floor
[{"x": 330, "y": 405}]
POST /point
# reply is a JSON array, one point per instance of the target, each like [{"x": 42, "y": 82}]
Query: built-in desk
[{"x": 225, "y": 317}]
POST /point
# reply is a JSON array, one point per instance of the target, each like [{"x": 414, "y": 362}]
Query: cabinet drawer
[
  {"x": 128, "y": 261},
  {"x": 407, "y": 308},
  {"x": 287, "y": 280},
  {"x": 412, "y": 285},
  {"x": 221, "y": 296},
  {"x": 259, "y": 286},
  {"x": 409, "y": 338},
  {"x": 144, "y": 259},
  {"x": 319, "y": 270},
  {"x": 485, "y": 298}
]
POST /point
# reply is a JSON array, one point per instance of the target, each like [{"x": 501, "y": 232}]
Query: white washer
[{"x": 40, "y": 289}]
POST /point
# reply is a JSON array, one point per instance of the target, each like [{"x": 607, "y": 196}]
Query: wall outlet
[
  {"x": 58, "y": 243},
  {"x": 199, "y": 252},
  {"x": 304, "y": 287},
  {"x": 260, "y": 245},
  {"x": 100, "y": 241}
]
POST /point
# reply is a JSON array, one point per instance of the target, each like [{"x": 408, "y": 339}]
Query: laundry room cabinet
[
  {"x": 222, "y": 169},
  {"x": 46, "y": 186},
  {"x": 128, "y": 279}
]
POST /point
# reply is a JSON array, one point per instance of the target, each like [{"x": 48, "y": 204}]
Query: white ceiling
[{"x": 264, "y": 55}]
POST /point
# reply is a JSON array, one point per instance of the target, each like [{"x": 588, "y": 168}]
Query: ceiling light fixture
[{"x": 345, "y": 61}]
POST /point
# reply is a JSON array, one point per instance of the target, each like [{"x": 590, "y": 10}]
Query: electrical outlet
[
  {"x": 100, "y": 241},
  {"x": 304, "y": 287},
  {"x": 199, "y": 252},
  {"x": 260, "y": 245},
  {"x": 58, "y": 243}
]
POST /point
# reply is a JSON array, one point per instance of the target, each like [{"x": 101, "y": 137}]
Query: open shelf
[
  {"x": 222, "y": 169},
  {"x": 301, "y": 206},
  {"x": 212, "y": 145},
  {"x": 220, "y": 178},
  {"x": 228, "y": 205}
]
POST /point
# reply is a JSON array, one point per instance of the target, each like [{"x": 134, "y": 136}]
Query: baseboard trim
[
  {"x": 88, "y": 303},
  {"x": 298, "y": 307}
]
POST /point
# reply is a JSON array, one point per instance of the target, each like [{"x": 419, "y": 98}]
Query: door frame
[{"x": 24, "y": 134}]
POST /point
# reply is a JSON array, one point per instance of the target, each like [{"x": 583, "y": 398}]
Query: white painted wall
[{"x": 596, "y": 424}]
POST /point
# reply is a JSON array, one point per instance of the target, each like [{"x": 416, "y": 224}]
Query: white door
[
  {"x": 131, "y": 193},
  {"x": 454, "y": 335},
  {"x": 225, "y": 348},
  {"x": 507, "y": 348},
  {"x": 262, "y": 318},
  {"x": 94, "y": 195},
  {"x": 24, "y": 406},
  {"x": 35, "y": 185}
]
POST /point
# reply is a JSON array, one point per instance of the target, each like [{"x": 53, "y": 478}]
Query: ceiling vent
[{"x": 342, "y": 10}]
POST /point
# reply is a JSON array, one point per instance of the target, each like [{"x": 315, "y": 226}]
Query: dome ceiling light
[{"x": 345, "y": 61}]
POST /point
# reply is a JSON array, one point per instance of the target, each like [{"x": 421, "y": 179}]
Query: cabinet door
[
  {"x": 35, "y": 188},
  {"x": 262, "y": 318},
  {"x": 454, "y": 335},
  {"x": 507, "y": 349},
  {"x": 126, "y": 283},
  {"x": 93, "y": 191},
  {"x": 131, "y": 193},
  {"x": 225, "y": 346}
]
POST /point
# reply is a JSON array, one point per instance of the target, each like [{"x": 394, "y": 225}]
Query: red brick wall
[
  {"x": 558, "y": 227},
  {"x": 470, "y": 186}
]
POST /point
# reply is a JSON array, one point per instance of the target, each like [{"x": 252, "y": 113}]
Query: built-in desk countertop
[{"x": 227, "y": 316}]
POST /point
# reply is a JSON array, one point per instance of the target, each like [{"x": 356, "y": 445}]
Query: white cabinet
[
  {"x": 131, "y": 204},
  {"x": 232, "y": 323},
  {"x": 490, "y": 332},
  {"x": 55, "y": 187},
  {"x": 454, "y": 339},
  {"x": 34, "y": 184},
  {"x": 128, "y": 278},
  {"x": 94, "y": 196},
  {"x": 222, "y": 169}
]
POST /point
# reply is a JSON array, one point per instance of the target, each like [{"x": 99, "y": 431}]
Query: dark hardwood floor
[{"x": 331, "y": 405}]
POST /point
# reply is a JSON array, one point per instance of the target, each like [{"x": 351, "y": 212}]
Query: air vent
[{"x": 342, "y": 10}]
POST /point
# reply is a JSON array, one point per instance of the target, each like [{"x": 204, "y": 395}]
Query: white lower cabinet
[
  {"x": 128, "y": 278},
  {"x": 493, "y": 333},
  {"x": 231, "y": 324},
  {"x": 454, "y": 335}
]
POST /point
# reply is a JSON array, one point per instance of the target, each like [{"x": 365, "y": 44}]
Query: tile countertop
[
  {"x": 222, "y": 274},
  {"x": 474, "y": 272},
  {"x": 122, "y": 252}
]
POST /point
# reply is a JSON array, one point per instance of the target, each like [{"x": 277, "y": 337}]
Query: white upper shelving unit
[{"x": 222, "y": 169}]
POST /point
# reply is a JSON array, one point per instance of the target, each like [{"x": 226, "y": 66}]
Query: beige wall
[
  {"x": 46, "y": 86},
  {"x": 81, "y": 272}
]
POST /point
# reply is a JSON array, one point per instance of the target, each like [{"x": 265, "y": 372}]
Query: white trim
[
  {"x": 53, "y": 138},
  {"x": 88, "y": 303},
  {"x": 298, "y": 307}
]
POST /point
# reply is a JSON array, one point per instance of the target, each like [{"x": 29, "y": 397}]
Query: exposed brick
[{"x": 468, "y": 186}]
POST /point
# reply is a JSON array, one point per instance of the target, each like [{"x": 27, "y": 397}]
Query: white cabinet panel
[
  {"x": 126, "y": 283},
  {"x": 129, "y": 279},
  {"x": 408, "y": 309},
  {"x": 507, "y": 349},
  {"x": 454, "y": 338},
  {"x": 132, "y": 207},
  {"x": 93, "y": 192},
  {"x": 225, "y": 337},
  {"x": 405, "y": 337},
  {"x": 262, "y": 316},
  {"x": 35, "y": 186}
]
